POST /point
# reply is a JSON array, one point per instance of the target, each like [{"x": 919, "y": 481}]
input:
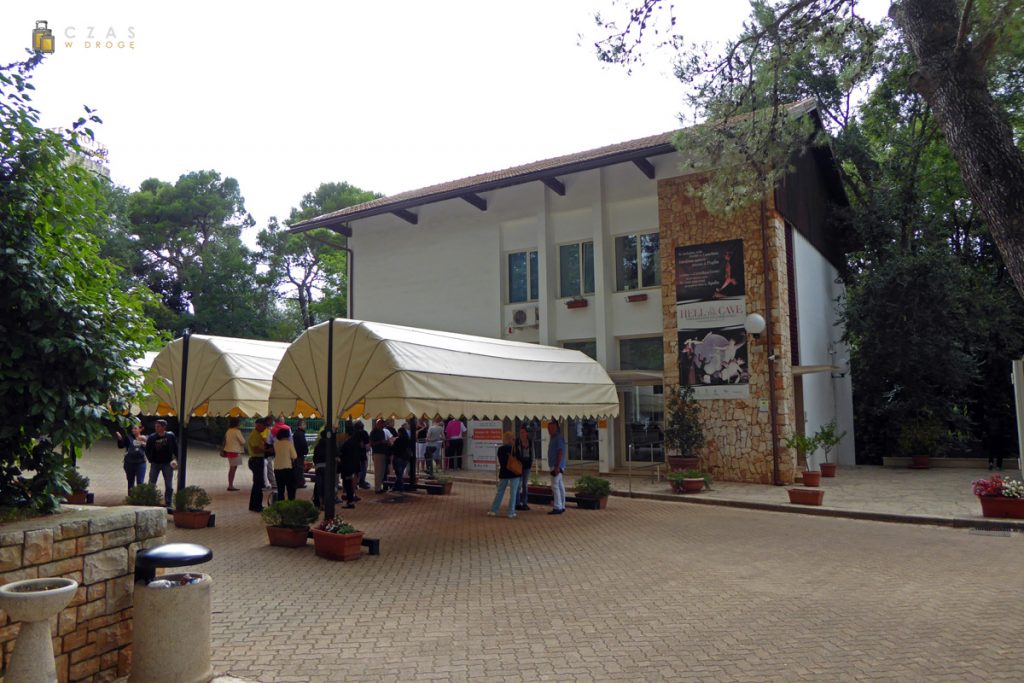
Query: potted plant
[
  {"x": 288, "y": 522},
  {"x": 1000, "y": 497},
  {"x": 918, "y": 439},
  {"x": 335, "y": 539},
  {"x": 592, "y": 492},
  {"x": 805, "y": 445},
  {"x": 828, "y": 438},
  {"x": 684, "y": 434},
  {"x": 536, "y": 492},
  {"x": 689, "y": 481},
  {"x": 145, "y": 495},
  {"x": 190, "y": 508},
  {"x": 806, "y": 496},
  {"x": 439, "y": 484},
  {"x": 79, "y": 485}
]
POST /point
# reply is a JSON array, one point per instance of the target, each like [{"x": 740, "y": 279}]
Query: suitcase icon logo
[{"x": 42, "y": 38}]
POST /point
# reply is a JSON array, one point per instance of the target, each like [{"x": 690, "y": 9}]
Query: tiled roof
[{"x": 548, "y": 168}]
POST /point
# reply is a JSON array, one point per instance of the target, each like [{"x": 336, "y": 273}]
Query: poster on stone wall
[{"x": 710, "y": 312}]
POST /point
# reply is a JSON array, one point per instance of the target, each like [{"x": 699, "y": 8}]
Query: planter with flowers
[
  {"x": 689, "y": 481},
  {"x": 336, "y": 539},
  {"x": 1000, "y": 497}
]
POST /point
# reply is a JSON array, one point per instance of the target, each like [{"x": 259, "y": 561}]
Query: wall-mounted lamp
[{"x": 754, "y": 324}]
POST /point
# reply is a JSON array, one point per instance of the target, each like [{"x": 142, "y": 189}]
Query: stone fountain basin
[{"x": 36, "y": 599}]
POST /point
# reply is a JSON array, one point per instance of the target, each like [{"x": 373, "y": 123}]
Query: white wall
[{"x": 826, "y": 396}]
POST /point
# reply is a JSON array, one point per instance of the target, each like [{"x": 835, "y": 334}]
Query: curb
[{"x": 983, "y": 523}]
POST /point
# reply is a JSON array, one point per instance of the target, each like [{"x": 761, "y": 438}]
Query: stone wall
[
  {"x": 738, "y": 433},
  {"x": 96, "y": 547}
]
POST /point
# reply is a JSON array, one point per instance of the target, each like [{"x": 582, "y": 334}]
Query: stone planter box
[
  {"x": 589, "y": 503},
  {"x": 342, "y": 547},
  {"x": 96, "y": 547},
  {"x": 806, "y": 496},
  {"x": 998, "y": 506}
]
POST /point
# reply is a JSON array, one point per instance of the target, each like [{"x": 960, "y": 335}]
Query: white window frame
[
  {"x": 639, "y": 261},
  {"x": 583, "y": 269},
  {"x": 529, "y": 274}
]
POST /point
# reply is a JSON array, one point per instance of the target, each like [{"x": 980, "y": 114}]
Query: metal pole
[
  {"x": 183, "y": 412},
  {"x": 350, "y": 305},
  {"x": 629, "y": 468},
  {"x": 1018, "y": 391},
  {"x": 770, "y": 345},
  {"x": 331, "y": 466}
]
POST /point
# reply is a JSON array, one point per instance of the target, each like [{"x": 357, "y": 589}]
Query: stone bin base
[
  {"x": 96, "y": 547},
  {"x": 179, "y": 612}
]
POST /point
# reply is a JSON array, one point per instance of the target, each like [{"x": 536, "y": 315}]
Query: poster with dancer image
[{"x": 710, "y": 312}]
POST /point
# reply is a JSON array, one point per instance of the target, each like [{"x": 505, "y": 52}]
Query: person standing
[
  {"x": 134, "y": 455},
  {"x": 380, "y": 447},
  {"x": 454, "y": 431},
  {"x": 524, "y": 452},
  {"x": 257, "y": 450},
  {"x": 435, "y": 441},
  {"x": 556, "y": 465},
  {"x": 509, "y": 473},
  {"x": 353, "y": 453},
  {"x": 284, "y": 463},
  {"x": 301, "y": 450},
  {"x": 162, "y": 453},
  {"x": 400, "y": 449},
  {"x": 234, "y": 449}
]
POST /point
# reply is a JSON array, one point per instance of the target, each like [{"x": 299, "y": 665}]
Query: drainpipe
[
  {"x": 350, "y": 305},
  {"x": 770, "y": 347}
]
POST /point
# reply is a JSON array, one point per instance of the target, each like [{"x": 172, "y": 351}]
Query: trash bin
[{"x": 172, "y": 617}]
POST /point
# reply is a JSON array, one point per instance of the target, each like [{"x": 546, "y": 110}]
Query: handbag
[{"x": 512, "y": 464}]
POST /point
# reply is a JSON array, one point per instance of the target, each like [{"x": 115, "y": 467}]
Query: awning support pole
[
  {"x": 330, "y": 488},
  {"x": 183, "y": 412}
]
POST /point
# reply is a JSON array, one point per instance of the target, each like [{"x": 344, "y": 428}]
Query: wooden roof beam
[
  {"x": 646, "y": 166},
  {"x": 407, "y": 216},
  {"x": 476, "y": 200},
  {"x": 556, "y": 185}
]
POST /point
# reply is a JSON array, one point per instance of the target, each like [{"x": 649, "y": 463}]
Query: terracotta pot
[
  {"x": 192, "y": 520},
  {"x": 288, "y": 536},
  {"x": 999, "y": 506},
  {"x": 828, "y": 469},
  {"x": 588, "y": 503},
  {"x": 78, "y": 498},
  {"x": 812, "y": 478},
  {"x": 919, "y": 462},
  {"x": 438, "y": 488},
  {"x": 678, "y": 463},
  {"x": 342, "y": 547},
  {"x": 806, "y": 496}
]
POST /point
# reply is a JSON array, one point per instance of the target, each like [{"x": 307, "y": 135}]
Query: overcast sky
[{"x": 389, "y": 96}]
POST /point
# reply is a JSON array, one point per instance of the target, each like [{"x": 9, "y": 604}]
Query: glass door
[{"x": 643, "y": 418}]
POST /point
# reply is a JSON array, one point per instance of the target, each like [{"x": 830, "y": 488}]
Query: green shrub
[
  {"x": 146, "y": 495},
  {"x": 683, "y": 430},
  {"x": 78, "y": 482},
  {"x": 191, "y": 499},
  {"x": 677, "y": 477},
  {"x": 593, "y": 486},
  {"x": 296, "y": 514}
]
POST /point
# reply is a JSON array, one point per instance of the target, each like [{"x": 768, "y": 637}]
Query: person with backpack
[
  {"x": 134, "y": 455},
  {"x": 509, "y": 472}
]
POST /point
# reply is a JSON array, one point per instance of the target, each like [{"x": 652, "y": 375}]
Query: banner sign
[
  {"x": 484, "y": 438},
  {"x": 710, "y": 312}
]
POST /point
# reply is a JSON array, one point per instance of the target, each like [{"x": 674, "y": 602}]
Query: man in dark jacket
[
  {"x": 353, "y": 452},
  {"x": 401, "y": 450},
  {"x": 301, "y": 450},
  {"x": 162, "y": 453}
]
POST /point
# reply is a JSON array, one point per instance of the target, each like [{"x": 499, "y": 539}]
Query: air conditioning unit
[{"x": 526, "y": 316}]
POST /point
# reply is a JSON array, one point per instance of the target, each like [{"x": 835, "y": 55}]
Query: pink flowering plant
[
  {"x": 996, "y": 486},
  {"x": 336, "y": 525}
]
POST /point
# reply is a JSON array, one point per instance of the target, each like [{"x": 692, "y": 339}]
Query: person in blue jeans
[
  {"x": 134, "y": 455},
  {"x": 556, "y": 465},
  {"x": 523, "y": 450},
  {"x": 507, "y": 478}
]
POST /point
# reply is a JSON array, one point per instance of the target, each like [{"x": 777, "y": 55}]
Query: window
[
  {"x": 641, "y": 354},
  {"x": 588, "y": 347},
  {"x": 636, "y": 262},
  {"x": 576, "y": 273},
  {"x": 522, "y": 277}
]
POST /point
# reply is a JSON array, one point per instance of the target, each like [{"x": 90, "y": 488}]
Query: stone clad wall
[
  {"x": 738, "y": 435},
  {"x": 96, "y": 547}
]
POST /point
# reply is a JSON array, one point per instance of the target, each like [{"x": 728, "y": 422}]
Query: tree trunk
[{"x": 952, "y": 79}]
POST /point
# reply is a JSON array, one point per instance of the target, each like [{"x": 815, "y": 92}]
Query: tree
[
  {"x": 313, "y": 267},
  {"x": 69, "y": 329},
  {"x": 955, "y": 50},
  {"x": 188, "y": 250}
]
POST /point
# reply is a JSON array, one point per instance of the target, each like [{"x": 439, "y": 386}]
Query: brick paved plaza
[{"x": 646, "y": 590}]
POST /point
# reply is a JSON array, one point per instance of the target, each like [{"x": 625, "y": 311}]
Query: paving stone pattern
[{"x": 644, "y": 591}]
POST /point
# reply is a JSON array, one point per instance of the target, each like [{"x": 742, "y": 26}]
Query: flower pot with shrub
[
  {"x": 288, "y": 522},
  {"x": 689, "y": 481},
  {"x": 1000, "y": 497},
  {"x": 536, "y": 492},
  {"x": 684, "y": 433},
  {"x": 190, "y": 508},
  {"x": 828, "y": 438},
  {"x": 439, "y": 484},
  {"x": 146, "y": 495},
  {"x": 79, "y": 485},
  {"x": 592, "y": 492},
  {"x": 336, "y": 539},
  {"x": 919, "y": 438},
  {"x": 805, "y": 446}
]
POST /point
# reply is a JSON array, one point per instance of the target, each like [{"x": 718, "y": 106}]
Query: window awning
[
  {"x": 226, "y": 376},
  {"x": 383, "y": 370}
]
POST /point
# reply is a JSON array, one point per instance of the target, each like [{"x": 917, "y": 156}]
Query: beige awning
[
  {"x": 226, "y": 376},
  {"x": 390, "y": 370}
]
